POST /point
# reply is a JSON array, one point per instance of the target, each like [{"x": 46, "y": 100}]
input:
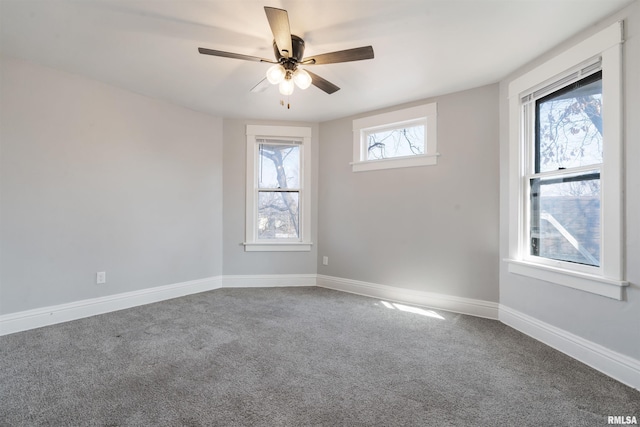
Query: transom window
[{"x": 401, "y": 138}]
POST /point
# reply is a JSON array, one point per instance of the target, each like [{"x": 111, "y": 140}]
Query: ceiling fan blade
[
  {"x": 204, "y": 51},
  {"x": 356, "y": 54},
  {"x": 279, "y": 23},
  {"x": 323, "y": 84},
  {"x": 261, "y": 86}
]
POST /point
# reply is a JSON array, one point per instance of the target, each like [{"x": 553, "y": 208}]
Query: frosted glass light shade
[
  {"x": 286, "y": 87},
  {"x": 275, "y": 74},
  {"x": 302, "y": 78}
]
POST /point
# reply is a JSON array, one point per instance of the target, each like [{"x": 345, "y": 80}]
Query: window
[
  {"x": 564, "y": 183},
  {"x": 565, "y": 120},
  {"x": 400, "y": 138},
  {"x": 278, "y": 181},
  {"x": 278, "y": 189}
]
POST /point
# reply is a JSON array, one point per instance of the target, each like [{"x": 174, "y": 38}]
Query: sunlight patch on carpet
[{"x": 409, "y": 309}]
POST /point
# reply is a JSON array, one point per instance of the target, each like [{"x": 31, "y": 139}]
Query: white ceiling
[{"x": 422, "y": 48}]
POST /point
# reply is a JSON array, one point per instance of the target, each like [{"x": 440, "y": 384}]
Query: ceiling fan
[{"x": 289, "y": 53}]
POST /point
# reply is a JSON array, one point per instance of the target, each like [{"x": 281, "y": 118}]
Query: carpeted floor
[{"x": 295, "y": 357}]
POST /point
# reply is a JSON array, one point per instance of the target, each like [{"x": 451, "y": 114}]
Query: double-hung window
[
  {"x": 278, "y": 180},
  {"x": 566, "y": 224},
  {"x": 564, "y": 172}
]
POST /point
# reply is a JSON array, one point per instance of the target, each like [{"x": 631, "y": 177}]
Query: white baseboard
[
  {"x": 618, "y": 366},
  {"x": 268, "y": 280},
  {"x": 474, "y": 307},
  {"x": 45, "y": 316},
  {"x": 36, "y": 318}
]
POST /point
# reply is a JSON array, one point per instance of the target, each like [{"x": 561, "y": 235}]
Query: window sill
[
  {"x": 277, "y": 247},
  {"x": 610, "y": 288},
  {"x": 401, "y": 162}
]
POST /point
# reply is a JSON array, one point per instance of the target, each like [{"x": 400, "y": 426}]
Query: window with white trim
[
  {"x": 401, "y": 138},
  {"x": 564, "y": 174},
  {"x": 565, "y": 198},
  {"x": 278, "y": 181}
]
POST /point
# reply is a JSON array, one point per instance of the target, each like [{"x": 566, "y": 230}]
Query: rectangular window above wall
[
  {"x": 278, "y": 202},
  {"x": 397, "y": 139},
  {"x": 565, "y": 162}
]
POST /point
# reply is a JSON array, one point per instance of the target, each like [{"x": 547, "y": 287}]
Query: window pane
[
  {"x": 569, "y": 126},
  {"x": 408, "y": 141},
  {"x": 278, "y": 215},
  {"x": 565, "y": 218},
  {"x": 279, "y": 166}
]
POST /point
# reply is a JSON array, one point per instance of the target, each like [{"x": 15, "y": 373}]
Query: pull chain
[{"x": 288, "y": 103}]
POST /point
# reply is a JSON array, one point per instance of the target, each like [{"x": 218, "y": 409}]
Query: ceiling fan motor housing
[{"x": 297, "y": 45}]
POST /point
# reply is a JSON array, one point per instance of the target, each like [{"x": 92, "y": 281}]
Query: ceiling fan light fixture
[
  {"x": 289, "y": 54},
  {"x": 301, "y": 78},
  {"x": 286, "y": 87},
  {"x": 276, "y": 74}
]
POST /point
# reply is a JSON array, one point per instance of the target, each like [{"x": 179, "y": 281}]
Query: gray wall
[
  {"x": 94, "y": 178},
  {"x": 610, "y": 323},
  {"x": 432, "y": 228},
  {"x": 236, "y": 260}
]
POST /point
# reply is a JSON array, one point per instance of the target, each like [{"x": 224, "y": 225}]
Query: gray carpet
[{"x": 295, "y": 357}]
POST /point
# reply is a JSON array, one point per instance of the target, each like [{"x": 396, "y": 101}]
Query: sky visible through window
[
  {"x": 566, "y": 208},
  {"x": 278, "y": 191},
  {"x": 272, "y": 156},
  {"x": 401, "y": 142}
]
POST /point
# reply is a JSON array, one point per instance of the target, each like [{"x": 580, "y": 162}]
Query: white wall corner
[
  {"x": 618, "y": 366},
  {"x": 473, "y": 307},
  {"x": 45, "y": 316}
]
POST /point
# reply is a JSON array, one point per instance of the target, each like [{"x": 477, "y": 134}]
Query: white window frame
[
  {"x": 607, "y": 279},
  {"x": 427, "y": 114},
  {"x": 252, "y": 242}
]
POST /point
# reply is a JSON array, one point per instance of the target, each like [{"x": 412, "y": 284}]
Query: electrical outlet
[
  {"x": 101, "y": 277},
  {"x": 325, "y": 260}
]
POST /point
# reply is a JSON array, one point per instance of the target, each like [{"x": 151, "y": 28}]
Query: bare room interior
[{"x": 418, "y": 212}]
